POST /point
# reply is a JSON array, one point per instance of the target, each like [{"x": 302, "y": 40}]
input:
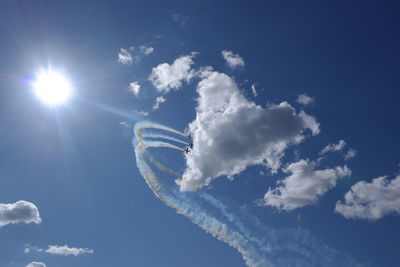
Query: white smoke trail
[
  {"x": 152, "y": 125},
  {"x": 161, "y": 136},
  {"x": 162, "y": 144},
  {"x": 259, "y": 245},
  {"x": 185, "y": 205}
]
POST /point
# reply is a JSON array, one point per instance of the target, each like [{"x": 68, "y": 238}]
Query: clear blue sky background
[{"x": 77, "y": 165}]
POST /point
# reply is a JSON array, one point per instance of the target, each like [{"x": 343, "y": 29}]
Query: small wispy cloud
[
  {"x": 147, "y": 50},
  {"x": 36, "y": 264},
  {"x": 126, "y": 124},
  {"x": 128, "y": 56},
  {"x": 333, "y": 147},
  {"x": 134, "y": 87},
  {"x": 159, "y": 100},
  {"x": 59, "y": 250},
  {"x": 233, "y": 60},
  {"x": 339, "y": 147},
  {"x": 166, "y": 77},
  {"x": 350, "y": 154},
  {"x": 180, "y": 19},
  {"x": 65, "y": 250},
  {"x": 253, "y": 90},
  {"x": 125, "y": 57},
  {"x": 142, "y": 113},
  {"x": 19, "y": 212},
  {"x": 304, "y": 99}
]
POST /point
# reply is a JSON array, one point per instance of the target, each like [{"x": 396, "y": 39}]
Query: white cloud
[
  {"x": 125, "y": 57},
  {"x": 165, "y": 77},
  {"x": 304, "y": 99},
  {"x": 29, "y": 249},
  {"x": 36, "y": 264},
  {"x": 253, "y": 90},
  {"x": 147, "y": 50},
  {"x": 142, "y": 113},
  {"x": 65, "y": 250},
  {"x": 231, "y": 133},
  {"x": 371, "y": 201},
  {"x": 310, "y": 122},
  {"x": 339, "y": 147},
  {"x": 333, "y": 147},
  {"x": 233, "y": 60},
  {"x": 350, "y": 154},
  {"x": 303, "y": 186},
  {"x": 159, "y": 100},
  {"x": 59, "y": 250},
  {"x": 134, "y": 87},
  {"x": 19, "y": 212},
  {"x": 126, "y": 124}
]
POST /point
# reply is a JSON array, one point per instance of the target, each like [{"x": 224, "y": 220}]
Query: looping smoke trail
[{"x": 259, "y": 245}]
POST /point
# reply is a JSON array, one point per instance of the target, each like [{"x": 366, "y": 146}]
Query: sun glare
[{"x": 52, "y": 88}]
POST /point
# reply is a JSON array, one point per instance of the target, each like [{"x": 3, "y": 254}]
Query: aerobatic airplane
[{"x": 190, "y": 144}]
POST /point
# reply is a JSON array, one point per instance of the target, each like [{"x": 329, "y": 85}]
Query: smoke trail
[
  {"x": 260, "y": 246},
  {"x": 152, "y": 125},
  {"x": 161, "y": 136},
  {"x": 162, "y": 144},
  {"x": 186, "y": 206}
]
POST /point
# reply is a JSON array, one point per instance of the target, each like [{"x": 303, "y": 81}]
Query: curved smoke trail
[
  {"x": 162, "y": 136},
  {"x": 259, "y": 245}
]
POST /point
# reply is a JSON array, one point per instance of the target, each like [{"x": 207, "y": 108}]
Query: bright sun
[{"x": 52, "y": 88}]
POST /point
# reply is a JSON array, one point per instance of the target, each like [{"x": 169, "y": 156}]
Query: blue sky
[{"x": 71, "y": 192}]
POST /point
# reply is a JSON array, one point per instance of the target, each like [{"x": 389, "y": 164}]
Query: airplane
[{"x": 190, "y": 144}]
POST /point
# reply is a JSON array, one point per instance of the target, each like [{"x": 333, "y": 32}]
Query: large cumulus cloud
[{"x": 231, "y": 133}]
